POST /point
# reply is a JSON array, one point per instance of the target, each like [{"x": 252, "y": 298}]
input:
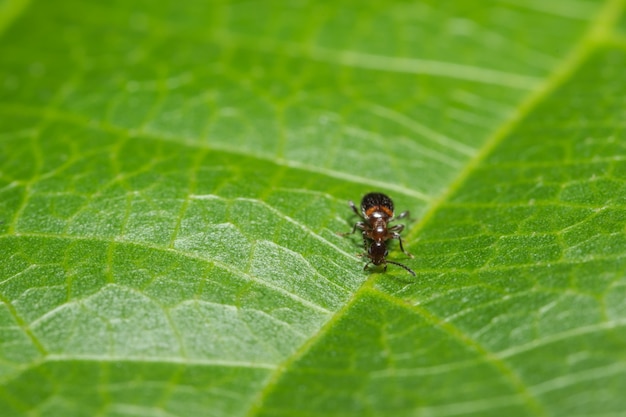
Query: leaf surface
[{"x": 173, "y": 175}]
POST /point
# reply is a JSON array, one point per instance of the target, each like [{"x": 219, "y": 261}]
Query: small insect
[{"x": 377, "y": 212}]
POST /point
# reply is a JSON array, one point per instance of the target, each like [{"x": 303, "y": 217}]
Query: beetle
[{"x": 377, "y": 212}]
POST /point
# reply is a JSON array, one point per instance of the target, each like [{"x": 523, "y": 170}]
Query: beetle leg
[
  {"x": 354, "y": 209},
  {"x": 357, "y": 225},
  {"x": 396, "y": 235},
  {"x": 402, "y": 215},
  {"x": 365, "y": 241}
]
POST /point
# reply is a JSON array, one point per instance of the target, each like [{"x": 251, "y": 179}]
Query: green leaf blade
[
  {"x": 516, "y": 285},
  {"x": 172, "y": 178}
]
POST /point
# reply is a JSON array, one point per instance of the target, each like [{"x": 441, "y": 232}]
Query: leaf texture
[{"x": 173, "y": 175}]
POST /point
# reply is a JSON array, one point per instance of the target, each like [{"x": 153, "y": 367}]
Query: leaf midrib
[{"x": 600, "y": 31}]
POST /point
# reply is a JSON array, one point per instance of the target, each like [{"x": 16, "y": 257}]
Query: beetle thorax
[{"x": 379, "y": 228}]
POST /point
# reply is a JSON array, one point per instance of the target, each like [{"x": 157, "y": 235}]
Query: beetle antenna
[{"x": 409, "y": 270}]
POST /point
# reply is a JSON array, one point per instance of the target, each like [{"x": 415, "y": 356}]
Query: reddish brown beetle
[{"x": 377, "y": 212}]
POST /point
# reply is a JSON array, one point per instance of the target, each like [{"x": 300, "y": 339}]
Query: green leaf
[{"x": 173, "y": 175}]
